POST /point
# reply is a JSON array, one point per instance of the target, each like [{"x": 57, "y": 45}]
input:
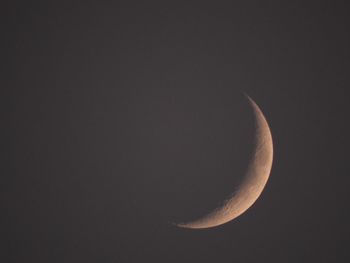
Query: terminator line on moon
[{"x": 253, "y": 182}]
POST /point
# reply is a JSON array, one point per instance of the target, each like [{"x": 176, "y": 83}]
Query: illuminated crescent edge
[{"x": 253, "y": 184}]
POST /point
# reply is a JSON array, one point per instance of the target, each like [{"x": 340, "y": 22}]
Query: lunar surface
[{"x": 253, "y": 183}]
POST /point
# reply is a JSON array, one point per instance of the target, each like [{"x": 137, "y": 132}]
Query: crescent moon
[{"x": 253, "y": 183}]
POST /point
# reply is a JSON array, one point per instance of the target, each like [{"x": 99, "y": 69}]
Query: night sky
[{"x": 122, "y": 118}]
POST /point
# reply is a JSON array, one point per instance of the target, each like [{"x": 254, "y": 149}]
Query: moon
[{"x": 253, "y": 183}]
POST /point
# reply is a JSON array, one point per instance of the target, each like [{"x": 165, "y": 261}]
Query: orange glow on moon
[{"x": 253, "y": 183}]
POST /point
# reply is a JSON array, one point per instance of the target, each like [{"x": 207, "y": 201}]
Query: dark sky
[{"x": 124, "y": 117}]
